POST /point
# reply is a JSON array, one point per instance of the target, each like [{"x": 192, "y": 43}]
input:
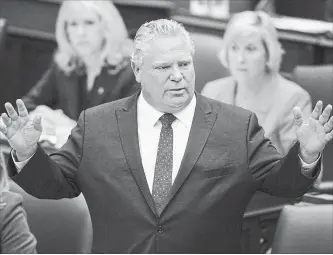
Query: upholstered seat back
[
  {"x": 3, "y": 26},
  {"x": 304, "y": 229},
  {"x": 60, "y": 226},
  {"x": 206, "y": 61},
  {"x": 317, "y": 80}
]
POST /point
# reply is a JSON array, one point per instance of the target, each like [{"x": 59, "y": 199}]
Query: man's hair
[
  {"x": 263, "y": 24},
  {"x": 150, "y": 30},
  {"x": 115, "y": 33}
]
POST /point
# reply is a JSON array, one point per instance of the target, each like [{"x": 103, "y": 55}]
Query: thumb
[
  {"x": 298, "y": 116},
  {"x": 37, "y": 122}
]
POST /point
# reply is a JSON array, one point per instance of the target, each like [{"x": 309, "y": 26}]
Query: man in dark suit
[{"x": 165, "y": 170}]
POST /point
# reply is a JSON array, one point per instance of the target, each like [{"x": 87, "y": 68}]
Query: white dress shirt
[{"x": 149, "y": 129}]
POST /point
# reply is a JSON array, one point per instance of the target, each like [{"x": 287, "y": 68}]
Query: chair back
[
  {"x": 3, "y": 33},
  {"x": 60, "y": 226},
  {"x": 304, "y": 229},
  {"x": 207, "y": 64}
]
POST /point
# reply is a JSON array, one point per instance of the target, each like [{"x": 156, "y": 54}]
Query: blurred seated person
[
  {"x": 252, "y": 53},
  {"x": 15, "y": 236},
  {"x": 91, "y": 66}
]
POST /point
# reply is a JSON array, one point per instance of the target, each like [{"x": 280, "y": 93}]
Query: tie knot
[{"x": 167, "y": 119}]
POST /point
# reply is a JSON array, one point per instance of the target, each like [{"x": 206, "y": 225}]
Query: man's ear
[{"x": 137, "y": 72}]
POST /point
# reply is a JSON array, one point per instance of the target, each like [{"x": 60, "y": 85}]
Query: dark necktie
[{"x": 164, "y": 161}]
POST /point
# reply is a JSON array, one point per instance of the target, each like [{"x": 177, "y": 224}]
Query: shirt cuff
[
  {"x": 19, "y": 164},
  {"x": 307, "y": 169}
]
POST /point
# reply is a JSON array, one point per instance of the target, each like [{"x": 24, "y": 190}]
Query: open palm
[
  {"x": 313, "y": 134},
  {"x": 22, "y": 132}
]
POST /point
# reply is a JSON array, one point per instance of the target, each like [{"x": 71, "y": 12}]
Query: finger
[
  {"x": 317, "y": 110},
  {"x": 22, "y": 110},
  {"x": 328, "y": 125},
  {"x": 325, "y": 115},
  {"x": 329, "y": 136},
  {"x": 11, "y": 111},
  {"x": 3, "y": 129},
  {"x": 37, "y": 122},
  {"x": 6, "y": 120},
  {"x": 298, "y": 117}
]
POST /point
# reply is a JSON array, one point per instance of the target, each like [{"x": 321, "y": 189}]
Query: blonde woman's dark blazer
[{"x": 59, "y": 90}]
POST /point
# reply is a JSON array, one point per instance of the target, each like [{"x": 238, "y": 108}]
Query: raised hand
[
  {"x": 314, "y": 133},
  {"x": 22, "y": 132}
]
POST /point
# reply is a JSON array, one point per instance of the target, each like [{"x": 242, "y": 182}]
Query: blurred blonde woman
[
  {"x": 15, "y": 236},
  {"x": 91, "y": 64},
  {"x": 252, "y": 53}
]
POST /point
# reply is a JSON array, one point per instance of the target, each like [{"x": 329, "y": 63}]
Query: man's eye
[
  {"x": 185, "y": 64},
  {"x": 162, "y": 67}
]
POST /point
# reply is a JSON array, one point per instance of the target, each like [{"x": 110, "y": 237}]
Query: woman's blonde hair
[
  {"x": 117, "y": 45},
  {"x": 262, "y": 23}
]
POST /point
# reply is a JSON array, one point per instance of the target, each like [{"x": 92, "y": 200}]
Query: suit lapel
[
  {"x": 202, "y": 124},
  {"x": 128, "y": 129}
]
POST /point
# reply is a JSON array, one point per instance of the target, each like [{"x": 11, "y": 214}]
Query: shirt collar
[
  {"x": 186, "y": 115},
  {"x": 145, "y": 109}
]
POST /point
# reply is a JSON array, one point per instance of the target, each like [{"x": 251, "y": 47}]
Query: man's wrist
[
  {"x": 24, "y": 156},
  {"x": 308, "y": 158}
]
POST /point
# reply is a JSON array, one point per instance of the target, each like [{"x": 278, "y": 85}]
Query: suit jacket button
[{"x": 160, "y": 229}]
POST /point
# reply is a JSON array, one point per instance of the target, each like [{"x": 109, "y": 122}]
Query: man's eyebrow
[
  {"x": 157, "y": 63},
  {"x": 185, "y": 60}
]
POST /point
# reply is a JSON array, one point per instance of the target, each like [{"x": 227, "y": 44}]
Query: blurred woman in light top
[{"x": 252, "y": 53}]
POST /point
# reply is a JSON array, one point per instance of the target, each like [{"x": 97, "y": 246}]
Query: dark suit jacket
[
  {"x": 58, "y": 90},
  {"x": 15, "y": 236},
  {"x": 226, "y": 160}
]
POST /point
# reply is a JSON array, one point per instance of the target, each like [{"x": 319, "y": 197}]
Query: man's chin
[{"x": 178, "y": 104}]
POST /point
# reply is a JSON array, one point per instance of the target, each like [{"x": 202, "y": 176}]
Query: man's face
[{"x": 167, "y": 74}]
